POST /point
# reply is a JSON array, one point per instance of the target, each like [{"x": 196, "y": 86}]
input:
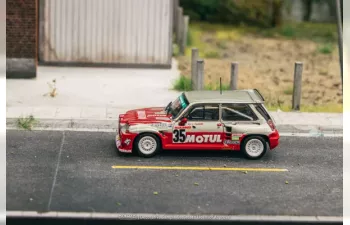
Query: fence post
[
  {"x": 194, "y": 77},
  {"x": 234, "y": 75},
  {"x": 298, "y": 70},
  {"x": 200, "y": 74},
  {"x": 184, "y": 35},
  {"x": 179, "y": 26}
]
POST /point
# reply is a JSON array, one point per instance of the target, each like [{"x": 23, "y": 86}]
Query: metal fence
[{"x": 130, "y": 32}]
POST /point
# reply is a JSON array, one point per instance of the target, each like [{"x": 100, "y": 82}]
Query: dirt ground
[{"x": 268, "y": 65}]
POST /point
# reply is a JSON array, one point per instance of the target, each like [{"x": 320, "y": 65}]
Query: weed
[
  {"x": 288, "y": 31},
  {"x": 183, "y": 84},
  {"x": 325, "y": 49},
  {"x": 53, "y": 89},
  {"x": 26, "y": 122}
]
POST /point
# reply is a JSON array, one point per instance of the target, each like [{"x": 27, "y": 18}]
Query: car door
[
  {"x": 203, "y": 129},
  {"x": 237, "y": 119}
]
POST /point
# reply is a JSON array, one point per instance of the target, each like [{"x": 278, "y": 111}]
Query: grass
[
  {"x": 212, "y": 55},
  {"x": 328, "y": 108},
  {"x": 318, "y": 32},
  {"x": 26, "y": 122},
  {"x": 216, "y": 87}
]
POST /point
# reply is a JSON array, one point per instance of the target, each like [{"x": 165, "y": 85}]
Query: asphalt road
[{"x": 72, "y": 171}]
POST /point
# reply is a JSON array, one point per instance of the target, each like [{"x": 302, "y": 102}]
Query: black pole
[{"x": 220, "y": 87}]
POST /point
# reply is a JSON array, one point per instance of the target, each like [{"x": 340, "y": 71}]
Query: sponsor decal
[
  {"x": 162, "y": 118},
  {"x": 182, "y": 127},
  {"x": 125, "y": 150},
  {"x": 161, "y": 125},
  {"x": 157, "y": 114},
  {"x": 127, "y": 141},
  {"x": 180, "y": 136},
  {"x": 195, "y": 123},
  {"x": 231, "y": 142},
  {"x": 236, "y": 137},
  {"x": 141, "y": 114}
]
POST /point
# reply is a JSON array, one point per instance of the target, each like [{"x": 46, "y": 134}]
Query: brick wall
[{"x": 21, "y": 38}]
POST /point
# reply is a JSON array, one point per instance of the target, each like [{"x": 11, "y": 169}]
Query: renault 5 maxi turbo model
[{"x": 201, "y": 120}]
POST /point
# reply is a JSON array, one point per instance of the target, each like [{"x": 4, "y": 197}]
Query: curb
[
  {"x": 112, "y": 125},
  {"x": 177, "y": 217}
]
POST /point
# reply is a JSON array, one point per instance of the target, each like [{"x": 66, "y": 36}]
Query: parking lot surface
[{"x": 81, "y": 172}]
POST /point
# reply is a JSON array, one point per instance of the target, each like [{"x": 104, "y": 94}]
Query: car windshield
[{"x": 177, "y": 106}]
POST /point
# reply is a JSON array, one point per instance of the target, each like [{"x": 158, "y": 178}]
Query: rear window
[{"x": 263, "y": 112}]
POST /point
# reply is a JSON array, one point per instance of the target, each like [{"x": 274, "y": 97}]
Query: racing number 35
[{"x": 179, "y": 135}]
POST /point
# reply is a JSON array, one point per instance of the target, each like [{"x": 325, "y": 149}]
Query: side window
[
  {"x": 209, "y": 112},
  {"x": 197, "y": 113},
  {"x": 262, "y": 111},
  {"x": 237, "y": 112}
]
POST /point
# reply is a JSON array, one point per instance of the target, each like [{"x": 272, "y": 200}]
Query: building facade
[{"x": 108, "y": 33}]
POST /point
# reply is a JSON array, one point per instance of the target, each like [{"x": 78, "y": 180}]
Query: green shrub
[{"x": 183, "y": 84}]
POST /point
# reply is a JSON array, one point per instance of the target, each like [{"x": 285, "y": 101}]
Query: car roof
[{"x": 232, "y": 96}]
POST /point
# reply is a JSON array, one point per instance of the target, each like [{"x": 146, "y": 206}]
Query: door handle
[{"x": 194, "y": 127}]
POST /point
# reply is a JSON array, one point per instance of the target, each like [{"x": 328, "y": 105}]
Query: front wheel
[
  {"x": 254, "y": 147},
  {"x": 147, "y": 145}
]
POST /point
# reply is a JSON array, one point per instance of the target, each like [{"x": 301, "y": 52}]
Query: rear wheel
[
  {"x": 147, "y": 145},
  {"x": 254, "y": 147}
]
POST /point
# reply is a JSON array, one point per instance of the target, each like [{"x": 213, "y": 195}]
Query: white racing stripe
[
  {"x": 141, "y": 216},
  {"x": 115, "y": 130}
]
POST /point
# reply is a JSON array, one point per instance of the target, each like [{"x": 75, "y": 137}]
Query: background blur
[{"x": 266, "y": 38}]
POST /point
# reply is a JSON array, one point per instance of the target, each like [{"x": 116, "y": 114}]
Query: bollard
[
  {"x": 234, "y": 76},
  {"x": 298, "y": 70},
  {"x": 194, "y": 73},
  {"x": 200, "y": 74},
  {"x": 184, "y": 35}
]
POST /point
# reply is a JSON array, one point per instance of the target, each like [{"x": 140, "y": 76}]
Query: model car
[{"x": 234, "y": 120}]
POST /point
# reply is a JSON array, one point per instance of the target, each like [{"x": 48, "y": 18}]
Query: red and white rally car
[{"x": 201, "y": 120}]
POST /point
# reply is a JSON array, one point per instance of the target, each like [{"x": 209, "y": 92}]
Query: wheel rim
[
  {"x": 147, "y": 145},
  {"x": 254, "y": 147}
]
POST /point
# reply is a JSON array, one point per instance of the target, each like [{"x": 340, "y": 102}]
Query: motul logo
[{"x": 203, "y": 138}]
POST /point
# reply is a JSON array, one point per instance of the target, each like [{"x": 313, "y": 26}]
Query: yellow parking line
[{"x": 201, "y": 168}]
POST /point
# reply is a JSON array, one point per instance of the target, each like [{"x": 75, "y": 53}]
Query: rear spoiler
[{"x": 260, "y": 95}]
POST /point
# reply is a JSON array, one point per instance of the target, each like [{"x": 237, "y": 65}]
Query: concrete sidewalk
[
  {"x": 106, "y": 118},
  {"x": 92, "y": 98}
]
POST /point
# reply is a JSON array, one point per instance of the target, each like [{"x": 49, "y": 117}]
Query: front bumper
[{"x": 124, "y": 143}]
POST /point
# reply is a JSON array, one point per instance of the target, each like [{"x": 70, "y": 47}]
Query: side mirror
[{"x": 183, "y": 121}]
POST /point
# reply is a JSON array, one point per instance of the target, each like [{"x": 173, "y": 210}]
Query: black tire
[
  {"x": 146, "y": 139},
  {"x": 260, "y": 142}
]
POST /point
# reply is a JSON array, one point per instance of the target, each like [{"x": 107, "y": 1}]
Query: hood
[{"x": 147, "y": 115}]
